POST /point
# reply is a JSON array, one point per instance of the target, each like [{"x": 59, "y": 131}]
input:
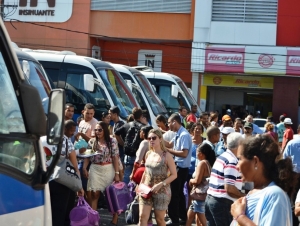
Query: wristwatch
[
  {"x": 117, "y": 172},
  {"x": 164, "y": 183}
]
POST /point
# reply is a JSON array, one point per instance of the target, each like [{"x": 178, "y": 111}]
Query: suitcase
[{"x": 117, "y": 197}]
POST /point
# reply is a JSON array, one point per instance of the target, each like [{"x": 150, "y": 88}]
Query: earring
[{"x": 255, "y": 167}]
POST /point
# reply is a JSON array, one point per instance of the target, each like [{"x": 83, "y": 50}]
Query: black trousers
[
  {"x": 62, "y": 202},
  {"x": 177, "y": 208}
]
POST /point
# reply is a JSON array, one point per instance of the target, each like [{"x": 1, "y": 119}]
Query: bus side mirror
[
  {"x": 55, "y": 121},
  {"x": 88, "y": 82},
  {"x": 174, "y": 91}
]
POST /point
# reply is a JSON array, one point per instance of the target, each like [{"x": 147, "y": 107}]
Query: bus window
[
  {"x": 79, "y": 97},
  {"x": 18, "y": 154},
  {"x": 13, "y": 151},
  {"x": 11, "y": 119}
]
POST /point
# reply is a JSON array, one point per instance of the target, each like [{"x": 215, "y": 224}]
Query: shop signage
[
  {"x": 150, "y": 58},
  {"x": 39, "y": 10},
  {"x": 293, "y": 61},
  {"x": 265, "y": 60},
  {"x": 238, "y": 81},
  {"x": 218, "y": 59}
]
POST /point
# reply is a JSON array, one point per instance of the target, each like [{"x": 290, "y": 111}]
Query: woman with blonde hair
[
  {"x": 159, "y": 173},
  {"x": 269, "y": 130}
]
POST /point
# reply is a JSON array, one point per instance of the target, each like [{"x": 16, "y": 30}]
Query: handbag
[
  {"x": 199, "y": 192},
  {"x": 132, "y": 212},
  {"x": 144, "y": 191},
  {"x": 65, "y": 173},
  {"x": 138, "y": 174},
  {"x": 83, "y": 214}
]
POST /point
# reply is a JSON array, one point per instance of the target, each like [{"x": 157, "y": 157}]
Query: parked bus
[
  {"x": 172, "y": 91},
  {"x": 143, "y": 92},
  {"x": 72, "y": 72},
  {"x": 24, "y": 192}
]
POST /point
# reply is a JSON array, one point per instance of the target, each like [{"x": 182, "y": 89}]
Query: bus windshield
[
  {"x": 154, "y": 101},
  {"x": 119, "y": 91},
  {"x": 188, "y": 94}
]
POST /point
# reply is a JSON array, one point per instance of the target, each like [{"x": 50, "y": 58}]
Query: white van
[
  {"x": 72, "y": 73},
  {"x": 172, "y": 91},
  {"x": 143, "y": 92}
]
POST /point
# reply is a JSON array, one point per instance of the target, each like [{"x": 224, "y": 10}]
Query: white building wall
[
  {"x": 242, "y": 33},
  {"x": 208, "y": 31}
]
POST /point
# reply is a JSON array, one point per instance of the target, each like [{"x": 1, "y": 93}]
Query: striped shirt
[{"x": 224, "y": 171}]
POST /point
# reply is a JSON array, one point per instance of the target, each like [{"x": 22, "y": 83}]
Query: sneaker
[{"x": 169, "y": 222}]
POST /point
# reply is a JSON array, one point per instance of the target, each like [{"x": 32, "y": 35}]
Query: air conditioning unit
[{"x": 96, "y": 52}]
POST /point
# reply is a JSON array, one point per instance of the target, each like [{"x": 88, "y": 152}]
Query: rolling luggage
[{"x": 117, "y": 197}]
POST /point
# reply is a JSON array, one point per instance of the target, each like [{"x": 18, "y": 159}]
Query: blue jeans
[
  {"x": 128, "y": 161},
  {"x": 217, "y": 211}
]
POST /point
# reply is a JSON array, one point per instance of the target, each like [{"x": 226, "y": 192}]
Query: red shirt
[
  {"x": 191, "y": 118},
  {"x": 287, "y": 136}
]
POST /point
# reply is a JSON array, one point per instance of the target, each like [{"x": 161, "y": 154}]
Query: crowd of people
[{"x": 234, "y": 172}]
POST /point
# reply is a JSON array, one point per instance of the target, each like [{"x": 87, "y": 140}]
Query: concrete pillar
[
  {"x": 195, "y": 85},
  {"x": 286, "y": 98}
]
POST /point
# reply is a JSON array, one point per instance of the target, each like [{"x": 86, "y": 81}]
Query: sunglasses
[
  {"x": 152, "y": 138},
  {"x": 99, "y": 130}
]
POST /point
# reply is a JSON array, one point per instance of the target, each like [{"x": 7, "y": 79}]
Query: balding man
[{"x": 256, "y": 129}]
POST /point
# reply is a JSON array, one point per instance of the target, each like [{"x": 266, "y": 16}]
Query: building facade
[{"x": 240, "y": 54}]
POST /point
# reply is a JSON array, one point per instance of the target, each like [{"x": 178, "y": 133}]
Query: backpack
[{"x": 132, "y": 139}]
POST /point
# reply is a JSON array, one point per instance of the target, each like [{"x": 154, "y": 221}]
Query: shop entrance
[{"x": 240, "y": 100}]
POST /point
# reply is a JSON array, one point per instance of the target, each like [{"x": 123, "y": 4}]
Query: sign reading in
[
  {"x": 41, "y": 10},
  {"x": 150, "y": 58}
]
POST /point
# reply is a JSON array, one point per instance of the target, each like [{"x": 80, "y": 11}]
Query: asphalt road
[{"x": 105, "y": 218}]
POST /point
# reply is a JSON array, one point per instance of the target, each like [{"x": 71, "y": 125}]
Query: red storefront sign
[
  {"x": 224, "y": 59},
  {"x": 293, "y": 62}
]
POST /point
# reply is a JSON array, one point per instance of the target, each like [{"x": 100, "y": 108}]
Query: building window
[
  {"x": 162, "y": 6},
  {"x": 245, "y": 11}
]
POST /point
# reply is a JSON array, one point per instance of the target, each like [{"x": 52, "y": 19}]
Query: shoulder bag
[
  {"x": 65, "y": 173},
  {"x": 199, "y": 192}
]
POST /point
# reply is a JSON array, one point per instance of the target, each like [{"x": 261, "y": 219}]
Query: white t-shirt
[
  {"x": 169, "y": 135},
  {"x": 87, "y": 128}
]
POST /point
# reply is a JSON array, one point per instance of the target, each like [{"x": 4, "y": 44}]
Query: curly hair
[
  {"x": 269, "y": 126},
  {"x": 275, "y": 169},
  {"x": 195, "y": 125}
]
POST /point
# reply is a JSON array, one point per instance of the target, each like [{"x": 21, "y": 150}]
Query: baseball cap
[
  {"x": 248, "y": 125},
  {"x": 227, "y": 130},
  {"x": 226, "y": 118},
  {"x": 288, "y": 121},
  {"x": 258, "y": 112}
]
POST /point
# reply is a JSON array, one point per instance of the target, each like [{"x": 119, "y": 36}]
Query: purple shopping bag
[{"x": 83, "y": 214}]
